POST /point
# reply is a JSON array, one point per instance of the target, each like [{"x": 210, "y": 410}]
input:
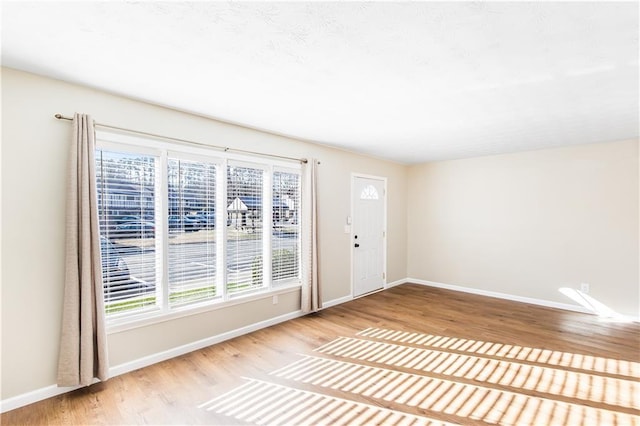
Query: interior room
[{"x": 323, "y": 212}]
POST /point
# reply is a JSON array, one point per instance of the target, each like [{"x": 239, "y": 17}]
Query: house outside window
[{"x": 184, "y": 227}]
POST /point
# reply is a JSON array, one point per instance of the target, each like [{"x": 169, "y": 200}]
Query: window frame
[
  {"x": 174, "y": 155},
  {"x": 288, "y": 281},
  {"x": 266, "y": 234},
  {"x": 162, "y": 311}
]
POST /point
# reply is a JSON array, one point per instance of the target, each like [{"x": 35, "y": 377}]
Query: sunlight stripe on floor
[
  {"x": 586, "y": 387},
  {"x": 445, "y": 396},
  {"x": 265, "y": 403},
  {"x": 515, "y": 352}
]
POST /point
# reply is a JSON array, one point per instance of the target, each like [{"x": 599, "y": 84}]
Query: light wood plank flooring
[{"x": 407, "y": 355}]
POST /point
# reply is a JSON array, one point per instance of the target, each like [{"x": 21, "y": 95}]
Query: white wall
[
  {"x": 34, "y": 155},
  {"x": 523, "y": 224},
  {"x": 527, "y": 224}
]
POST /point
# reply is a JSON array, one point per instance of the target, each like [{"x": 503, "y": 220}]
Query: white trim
[
  {"x": 540, "y": 302},
  {"x": 395, "y": 283},
  {"x": 383, "y": 179},
  {"x": 53, "y": 390},
  {"x": 378, "y": 290},
  {"x": 337, "y": 301},
  {"x": 157, "y": 317},
  {"x": 523, "y": 299},
  {"x": 193, "y": 346},
  {"x": 114, "y": 138},
  {"x": 161, "y": 150},
  {"x": 33, "y": 396},
  {"x": 530, "y": 300},
  {"x": 221, "y": 230}
]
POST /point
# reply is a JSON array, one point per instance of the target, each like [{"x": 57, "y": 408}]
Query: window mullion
[
  {"x": 267, "y": 225},
  {"x": 155, "y": 264},
  {"x": 162, "y": 243},
  {"x": 299, "y": 252},
  {"x": 221, "y": 228}
]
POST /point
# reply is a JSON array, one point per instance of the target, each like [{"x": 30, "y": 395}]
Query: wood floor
[{"x": 408, "y": 355}]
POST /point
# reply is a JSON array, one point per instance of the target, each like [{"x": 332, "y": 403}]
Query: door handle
[{"x": 356, "y": 245}]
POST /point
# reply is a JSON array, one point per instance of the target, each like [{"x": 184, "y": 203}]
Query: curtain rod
[{"x": 222, "y": 148}]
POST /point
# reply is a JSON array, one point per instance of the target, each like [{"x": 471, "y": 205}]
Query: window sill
[{"x": 156, "y": 316}]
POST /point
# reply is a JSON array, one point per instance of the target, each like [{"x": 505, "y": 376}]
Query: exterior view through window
[
  {"x": 244, "y": 236},
  {"x": 191, "y": 224},
  {"x": 179, "y": 230},
  {"x": 127, "y": 207},
  {"x": 286, "y": 227}
]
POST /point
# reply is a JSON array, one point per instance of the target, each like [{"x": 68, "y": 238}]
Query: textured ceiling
[{"x": 410, "y": 82}]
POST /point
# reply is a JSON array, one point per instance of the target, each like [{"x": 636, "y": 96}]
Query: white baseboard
[
  {"x": 349, "y": 298},
  {"x": 540, "y": 302},
  {"x": 53, "y": 390},
  {"x": 395, "y": 283},
  {"x": 33, "y": 396},
  {"x": 337, "y": 301},
  {"x": 194, "y": 346}
]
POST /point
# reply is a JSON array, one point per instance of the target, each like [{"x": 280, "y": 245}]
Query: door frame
[{"x": 383, "y": 179}]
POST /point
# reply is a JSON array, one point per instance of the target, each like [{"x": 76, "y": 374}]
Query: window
[
  {"x": 184, "y": 227},
  {"x": 244, "y": 234},
  {"x": 285, "y": 245},
  {"x": 369, "y": 192},
  {"x": 127, "y": 231},
  {"x": 191, "y": 209}
]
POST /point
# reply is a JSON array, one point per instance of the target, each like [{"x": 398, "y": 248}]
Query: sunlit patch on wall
[{"x": 594, "y": 305}]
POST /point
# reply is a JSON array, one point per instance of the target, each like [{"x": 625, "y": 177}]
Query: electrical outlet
[
  {"x": 275, "y": 299},
  {"x": 584, "y": 287}
]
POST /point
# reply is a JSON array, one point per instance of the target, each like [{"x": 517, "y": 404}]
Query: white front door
[{"x": 368, "y": 234}]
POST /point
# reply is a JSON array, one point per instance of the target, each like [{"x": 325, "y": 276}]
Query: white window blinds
[
  {"x": 126, "y": 189},
  {"x": 192, "y": 235},
  {"x": 183, "y": 228},
  {"x": 245, "y": 226},
  {"x": 285, "y": 242}
]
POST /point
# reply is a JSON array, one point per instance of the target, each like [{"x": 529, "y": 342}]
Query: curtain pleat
[
  {"x": 311, "y": 300},
  {"x": 83, "y": 342}
]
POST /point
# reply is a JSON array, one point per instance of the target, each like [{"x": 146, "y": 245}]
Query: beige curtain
[
  {"x": 311, "y": 299},
  {"x": 83, "y": 344}
]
